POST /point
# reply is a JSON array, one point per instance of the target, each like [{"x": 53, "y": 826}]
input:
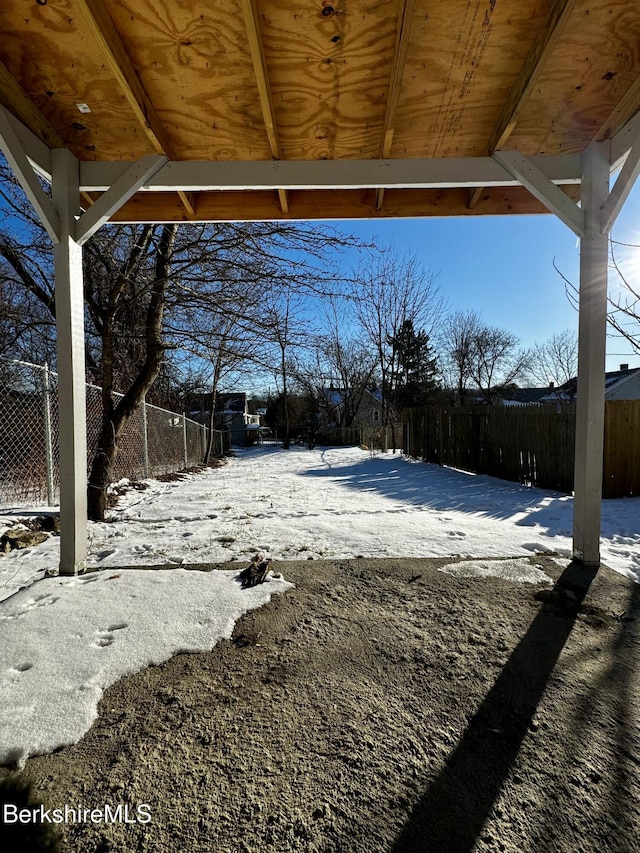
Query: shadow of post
[{"x": 450, "y": 815}]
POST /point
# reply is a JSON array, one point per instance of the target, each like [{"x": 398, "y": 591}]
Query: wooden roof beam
[
  {"x": 327, "y": 205},
  {"x": 119, "y": 61},
  {"x": 527, "y": 79},
  {"x": 16, "y": 100},
  {"x": 403, "y": 30},
  {"x": 438, "y": 173},
  {"x": 625, "y": 110},
  {"x": 256, "y": 48}
]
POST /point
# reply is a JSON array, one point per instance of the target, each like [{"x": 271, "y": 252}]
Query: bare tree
[
  {"x": 624, "y": 313},
  {"x": 284, "y": 327},
  {"x": 496, "y": 362},
  {"x": 155, "y": 244},
  {"x": 348, "y": 361},
  {"x": 479, "y": 359},
  {"x": 390, "y": 291},
  {"x": 555, "y": 361},
  {"x": 456, "y": 345},
  {"x": 27, "y": 313}
]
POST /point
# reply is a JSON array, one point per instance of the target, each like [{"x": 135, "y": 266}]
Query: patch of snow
[
  {"x": 65, "y": 640},
  {"x": 518, "y": 571}
]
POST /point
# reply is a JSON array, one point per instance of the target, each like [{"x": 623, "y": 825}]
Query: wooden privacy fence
[
  {"x": 371, "y": 436},
  {"x": 533, "y": 445},
  {"x": 621, "y": 449}
]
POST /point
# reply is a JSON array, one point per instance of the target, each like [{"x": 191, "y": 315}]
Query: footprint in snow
[
  {"x": 107, "y": 637},
  {"x": 19, "y": 668},
  {"x": 104, "y": 554}
]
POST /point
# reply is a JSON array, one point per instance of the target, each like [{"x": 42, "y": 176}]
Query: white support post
[
  {"x": 71, "y": 366},
  {"x": 591, "y": 357}
]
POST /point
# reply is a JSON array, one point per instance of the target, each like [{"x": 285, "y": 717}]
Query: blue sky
[{"x": 502, "y": 267}]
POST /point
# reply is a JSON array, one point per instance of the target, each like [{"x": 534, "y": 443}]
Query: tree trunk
[
  {"x": 286, "y": 443},
  {"x": 115, "y": 418},
  {"x": 212, "y": 424}
]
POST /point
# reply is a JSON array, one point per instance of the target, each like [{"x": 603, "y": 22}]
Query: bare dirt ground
[{"x": 380, "y": 706}]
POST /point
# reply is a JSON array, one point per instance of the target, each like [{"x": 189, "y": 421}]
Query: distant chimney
[
  {"x": 624, "y": 367},
  {"x": 552, "y": 385}
]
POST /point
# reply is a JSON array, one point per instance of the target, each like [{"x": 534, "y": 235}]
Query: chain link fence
[{"x": 154, "y": 442}]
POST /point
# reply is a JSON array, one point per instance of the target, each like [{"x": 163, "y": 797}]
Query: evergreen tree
[{"x": 416, "y": 369}]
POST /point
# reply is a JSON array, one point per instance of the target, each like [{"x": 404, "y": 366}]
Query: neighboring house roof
[
  {"x": 524, "y": 396},
  {"x": 619, "y": 377},
  {"x": 613, "y": 381},
  {"x": 231, "y": 402},
  {"x": 335, "y": 397}
]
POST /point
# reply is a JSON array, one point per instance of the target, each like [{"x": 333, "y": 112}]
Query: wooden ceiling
[{"x": 314, "y": 80}]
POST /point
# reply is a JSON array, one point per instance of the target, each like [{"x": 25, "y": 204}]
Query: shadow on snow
[{"x": 427, "y": 486}]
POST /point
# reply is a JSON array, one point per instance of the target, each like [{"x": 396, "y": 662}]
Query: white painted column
[
  {"x": 591, "y": 357},
  {"x": 71, "y": 366}
]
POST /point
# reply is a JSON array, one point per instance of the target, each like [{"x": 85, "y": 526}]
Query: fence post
[
  {"x": 184, "y": 439},
  {"x": 48, "y": 444},
  {"x": 145, "y": 439}
]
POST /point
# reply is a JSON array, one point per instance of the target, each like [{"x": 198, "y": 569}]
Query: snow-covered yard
[
  {"x": 66, "y": 639},
  {"x": 333, "y": 503}
]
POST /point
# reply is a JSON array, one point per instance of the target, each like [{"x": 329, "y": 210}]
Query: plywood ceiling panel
[
  {"x": 452, "y": 96},
  {"x": 329, "y": 69},
  {"x": 194, "y": 62},
  {"x": 50, "y": 51},
  {"x": 255, "y": 80},
  {"x": 589, "y": 72}
]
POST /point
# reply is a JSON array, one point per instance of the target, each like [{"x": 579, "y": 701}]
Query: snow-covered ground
[
  {"x": 65, "y": 639},
  {"x": 336, "y": 502}
]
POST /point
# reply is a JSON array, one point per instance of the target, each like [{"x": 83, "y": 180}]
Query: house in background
[
  {"x": 524, "y": 396},
  {"x": 368, "y": 412},
  {"x": 232, "y": 414},
  {"x": 623, "y": 384}
]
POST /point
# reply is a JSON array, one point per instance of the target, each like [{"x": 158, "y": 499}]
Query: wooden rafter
[
  {"x": 403, "y": 30},
  {"x": 527, "y": 79},
  {"x": 119, "y": 61},
  {"x": 624, "y": 110},
  {"x": 256, "y": 48},
  {"x": 15, "y": 99}
]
